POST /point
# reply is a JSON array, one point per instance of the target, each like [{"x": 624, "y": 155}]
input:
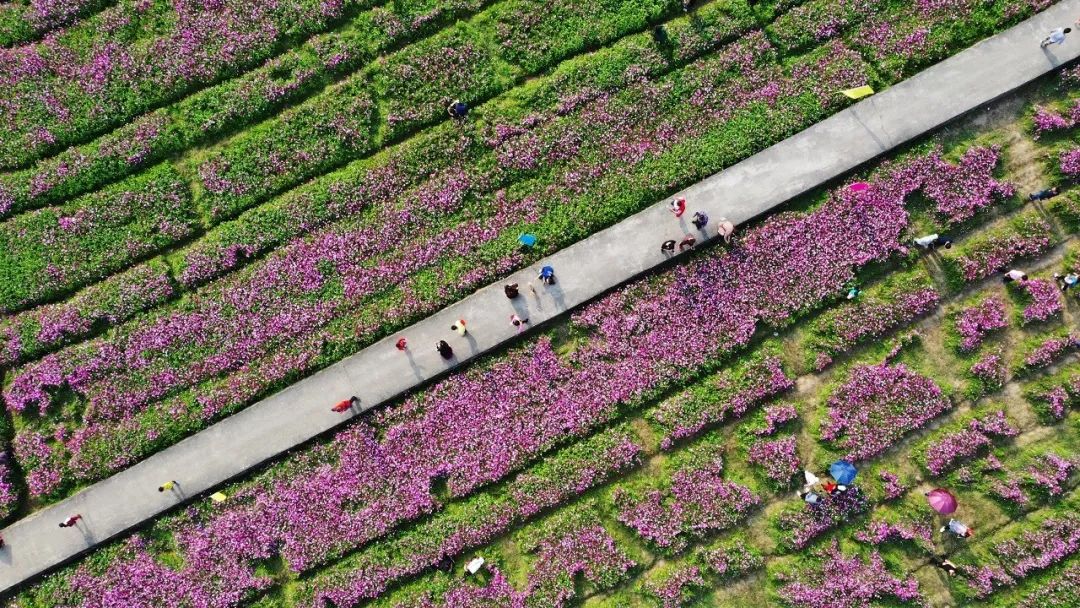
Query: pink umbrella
[
  {"x": 858, "y": 186},
  {"x": 941, "y": 501}
]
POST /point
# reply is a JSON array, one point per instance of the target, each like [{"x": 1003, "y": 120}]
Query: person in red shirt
[
  {"x": 401, "y": 344},
  {"x": 677, "y": 206},
  {"x": 71, "y": 521},
  {"x": 346, "y": 405},
  {"x": 688, "y": 242}
]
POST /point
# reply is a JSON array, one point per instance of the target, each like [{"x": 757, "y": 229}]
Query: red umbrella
[{"x": 941, "y": 501}]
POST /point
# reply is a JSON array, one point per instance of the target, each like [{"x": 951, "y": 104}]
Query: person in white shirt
[
  {"x": 926, "y": 241},
  {"x": 1068, "y": 281},
  {"x": 1056, "y": 37},
  {"x": 958, "y": 528},
  {"x": 931, "y": 242},
  {"x": 1014, "y": 275}
]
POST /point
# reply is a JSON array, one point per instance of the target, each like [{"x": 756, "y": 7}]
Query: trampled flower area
[{"x": 733, "y": 430}]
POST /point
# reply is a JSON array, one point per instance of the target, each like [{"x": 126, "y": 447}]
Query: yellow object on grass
[
  {"x": 218, "y": 497},
  {"x": 859, "y": 92}
]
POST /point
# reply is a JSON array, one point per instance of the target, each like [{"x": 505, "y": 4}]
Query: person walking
[
  {"x": 677, "y": 206},
  {"x": 1013, "y": 275},
  {"x": 688, "y": 242},
  {"x": 168, "y": 485},
  {"x": 444, "y": 349},
  {"x": 345, "y": 404},
  {"x": 725, "y": 229},
  {"x": 958, "y": 528},
  {"x": 700, "y": 220},
  {"x": 401, "y": 344},
  {"x": 667, "y": 247},
  {"x": 518, "y": 322},
  {"x": 1057, "y": 36},
  {"x": 459, "y": 327},
  {"x": 458, "y": 110},
  {"x": 71, "y": 521},
  {"x": 511, "y": 290},
  {"x": 547, "y": 275}
]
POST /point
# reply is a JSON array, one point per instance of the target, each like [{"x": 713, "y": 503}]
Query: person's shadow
[
  {"x": 450, "y": 361},
  {"x": 412, "y": 364},
  {"x": 178, "y": 491},
  {"x": 557, "y": 296},
  {"x": 1047, "y": 50},
  {"x": 535, "y": 293},
  {"x": 664, "y": 44},
  {"x": 472, "y": 343},
  {"x": 88, "y": 536},
  {"x": 520, "y": 306}
]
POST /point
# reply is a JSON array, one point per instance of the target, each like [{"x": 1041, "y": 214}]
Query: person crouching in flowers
[{"x": 958, "y": 528}]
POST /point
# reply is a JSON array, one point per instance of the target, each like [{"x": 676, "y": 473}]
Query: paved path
[{"x": 379, "y": 373}]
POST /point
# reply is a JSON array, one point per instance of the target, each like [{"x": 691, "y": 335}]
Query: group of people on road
[
  {"x": 700, "y": 220},
  {"x": 546, "y": 276},
  {"x": 72, "y": 521}
]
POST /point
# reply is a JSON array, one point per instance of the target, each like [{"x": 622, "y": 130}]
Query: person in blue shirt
[
  {"x": 458, "y": 110},
  {"x": 700, "y": 220}
]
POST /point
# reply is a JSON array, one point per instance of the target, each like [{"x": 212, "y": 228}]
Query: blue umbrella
[
  {"x": 843, "y": 472},
  {"x": 527, "y": 239}
]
